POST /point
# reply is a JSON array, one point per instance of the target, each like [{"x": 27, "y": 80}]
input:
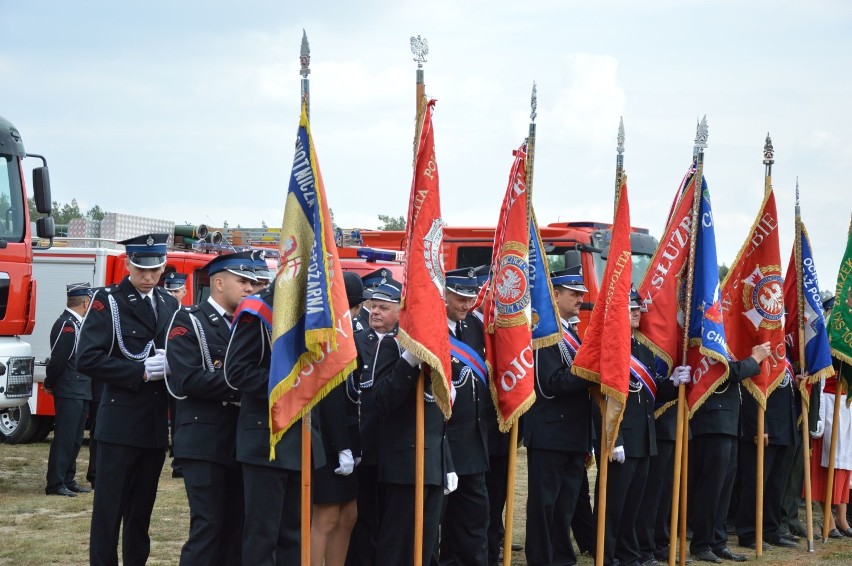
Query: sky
[{"x": 188, "y": 110}]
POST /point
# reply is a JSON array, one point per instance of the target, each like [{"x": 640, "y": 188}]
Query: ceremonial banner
[
  {"x": 801, "y": 288},
  {"x": 546, "y": 329},
  {"x": 508, "y": 313},
  {"x": 662, "y": 286},
  {"x": 753, "y": 301},
  {"x": 840, "y": 322},
  {"x": 609, "y": 326},
  {"x": 312, "y": 346},
  {"x": 423, "y": 312},
  {"x": 707, "y": 348}
]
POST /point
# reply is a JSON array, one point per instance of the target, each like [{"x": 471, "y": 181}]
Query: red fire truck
[{"x": 17, "y": 287}]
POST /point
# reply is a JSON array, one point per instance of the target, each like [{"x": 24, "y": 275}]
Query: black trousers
[
  {"x": 624, "y": 489},
  {"x": 216, "y": 512},
  {"x": 125, "y": 493},
  {"x": 554, "y": 479},
  {"x": 67, "y": 439},
  {"x": 365, "y": 533},
  {"x": 713, "y": 461},
  {"x": 396, "y": 529},
  {"x": 583, "y": 522},
  {"x": 774, "y": 460},
  {"x": 792, "y": 489},
  {"x": 464, "y": 526},
  {"x": 271, "y": 531},
  {"x": 495, "y": 482},
  {"x": 652, "y": 529},
  {"x": 92, "y": 470}
]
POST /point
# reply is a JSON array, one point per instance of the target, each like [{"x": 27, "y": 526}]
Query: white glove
[
  {"x": 820, "y": 430},
  {"x": 160, "y": 351},
  {"x": 412, "y": 360},
  {"x": 681, "y": 375},
  {"x": 346, "y": 461},
  {"x": 618, "y": 454},
  {"x": 452, "y": 394},
  {"x": 452, "y": 483},
  {"x": 155, "y": 367}
]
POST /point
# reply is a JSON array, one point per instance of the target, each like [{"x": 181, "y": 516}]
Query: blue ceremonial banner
[
  {"x": 545, "y": 320},
  {"x": 312, "y": 345},
  {"x": 707, "y": 352},
  {"x": 817, "y": 349}
]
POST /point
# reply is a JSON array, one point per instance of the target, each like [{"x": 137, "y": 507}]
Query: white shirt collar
[
  {"x": 219, "y": 309},
  {"x": 76, "y": 315}
]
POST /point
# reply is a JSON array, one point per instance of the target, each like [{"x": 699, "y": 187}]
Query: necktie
[
  {"x": 459, "y": 334},
  {"x": 150, "y": 301},
  {"x": 228, "y": 317}
]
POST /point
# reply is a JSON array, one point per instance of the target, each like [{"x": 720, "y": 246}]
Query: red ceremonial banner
[
  {"x": 423, "y": 313},
  {"x": 610, "y": 323},
  {"x": 508, "y": 332},
  {"x": 753, "y": 301}
]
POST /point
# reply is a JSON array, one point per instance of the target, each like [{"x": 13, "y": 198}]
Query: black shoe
[
  {"x": 751, "y": 544},
  {"x": 77, "y": 488},
  {"x": 517, "y": 547},
  {"x": 726, "y": 554},
  {"x": 68, "y": 493},
  {"x": 707, "y": 556},
  {"x": 790, "y": 537},
  {"x": 652, "y": 562},
  {"x": 798, "y": 530},
  {"x": 781, "y": 541}
]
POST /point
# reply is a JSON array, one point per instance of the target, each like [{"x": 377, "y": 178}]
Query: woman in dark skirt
[{"x": 335, "y": 485}]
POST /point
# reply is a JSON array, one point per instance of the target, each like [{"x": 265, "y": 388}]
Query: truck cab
[{"x": 17, "y": 286}]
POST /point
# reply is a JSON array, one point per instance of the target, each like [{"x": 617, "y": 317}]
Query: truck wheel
[
  {"x": 45, "y": 427},
  {"x": 17, "y": 425}
]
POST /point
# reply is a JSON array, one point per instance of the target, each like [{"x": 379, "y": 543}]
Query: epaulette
[{"x": 191, "y": 308}]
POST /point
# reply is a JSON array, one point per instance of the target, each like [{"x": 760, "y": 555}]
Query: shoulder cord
[
  {"x": 76, "y": 338},
  {"x": 116, "y": 329},
  {"x": 166, "y": 378},
  {"x": 263, "y": 345}
]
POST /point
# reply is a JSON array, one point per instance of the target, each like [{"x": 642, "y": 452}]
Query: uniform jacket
[
  {"x": 638, "y": 431},
  {"x": 720, "y": 413},
  {"x": 132, "y": 412},
  {"x": 206, "y": 408},
  {"x": 560, "y": 418},
  {"x": 395, "y": 398},
  {"x": 780, "y": 419},
  {"x": 377, "y": 357},
  {"x": 247, "y": 363},
  {"x": 467, "y": 429},
  {"x": 62, "y": 375}
]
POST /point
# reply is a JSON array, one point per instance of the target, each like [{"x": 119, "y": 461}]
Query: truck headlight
[{"x": 19, "y": 381}]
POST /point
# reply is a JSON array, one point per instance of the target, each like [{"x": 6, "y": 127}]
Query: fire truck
[
  {"x": 100, "y": 261},
  {"x": 566, "y": 244},
  {"x": 17, "y": 287}
]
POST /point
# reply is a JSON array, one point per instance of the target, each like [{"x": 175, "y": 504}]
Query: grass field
[{"x": 39, "y": 530}]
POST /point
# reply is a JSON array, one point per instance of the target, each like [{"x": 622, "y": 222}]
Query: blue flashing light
[{"x": 372, "y": 254}]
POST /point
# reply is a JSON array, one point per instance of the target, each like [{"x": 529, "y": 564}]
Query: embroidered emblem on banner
[
  {"x": 763, "y": 297},
  {"x": 433, "y": 255}
]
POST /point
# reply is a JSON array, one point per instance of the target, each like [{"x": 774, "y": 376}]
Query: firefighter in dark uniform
[
  {"x": 713, "y": 461},
  {"x": 262, "y": 274},
  {"x": 174, "y": 283},
  {"x": 464, "y": 526},
  {"x": 395, "y": 400},
  {"x": 635, "y": 444},
  {"x": 207, "y": 412},
  {"x": 371, "y": 333},
  {"x": 557, "y": 433},
  {"x": 783, "y": 436},
  {"x": 122, "y": 344},
  {"x": 335, "y": 485},
  {"x": 71, "y": 392},
  {"x": 271, "y": 488}
]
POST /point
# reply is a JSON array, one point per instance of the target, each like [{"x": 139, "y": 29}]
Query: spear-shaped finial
[
  {"x": 420, "y": 49},
  {"x": 701, "y": 133},
  {"x": 768, "y": 151},
  {"x": 620, "y": 147},
  {"x": 797, "y": 191},
  {"x": 533, "y": 103},
  {"x": 305, "y": 56}
]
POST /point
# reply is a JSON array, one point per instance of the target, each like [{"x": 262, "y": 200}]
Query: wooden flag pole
[
  {"x": 829, "y": 486},
  {"x": 510, "y": 495},
  {"x": 683, "y": 490},
  {"x": 600, "y": 509},
  {"x": 305, "y": 61},
  {"x": 680, "y": 471},
  {"x": 806, "y": 437},
  {"x": 420, "y": 48},
  {"x": 758, "y": 497}
]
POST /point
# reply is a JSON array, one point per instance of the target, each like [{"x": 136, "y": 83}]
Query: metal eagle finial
[
  {"x": 533, "y": 103},
  {"x": 768, "y": 151},
  {"x": 797, "y": 190},
  {"x": 420, "y": 48},
  {"x": 620, "y": 147},
  {"x": 701, "y": 133},
  {"x": 305, "y": 56}
]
